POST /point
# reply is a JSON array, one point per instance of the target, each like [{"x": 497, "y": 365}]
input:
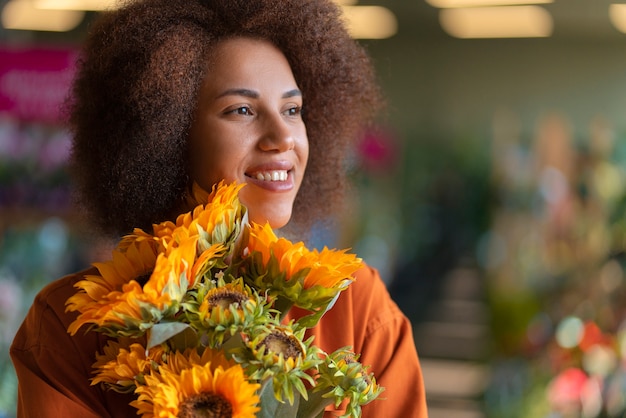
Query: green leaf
[
  {"x": 186, "y": 339},
  {"x": 232, "y": 344},
  {"x": 162, "y": 332},
  {"x": 314, "y": 406},
  {"x": 309, "y": 321},
  {"x": 273, "y": 408}
]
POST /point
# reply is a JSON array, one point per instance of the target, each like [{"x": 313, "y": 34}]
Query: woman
[{"x": 175, "y": 94}]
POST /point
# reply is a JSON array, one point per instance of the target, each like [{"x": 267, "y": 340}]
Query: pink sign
[{"x": 34, "y": 81}]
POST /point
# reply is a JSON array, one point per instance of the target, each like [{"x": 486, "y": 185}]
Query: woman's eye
[
  {"x": 293, "y": 111},
  {"x": 242, "y": 110}
]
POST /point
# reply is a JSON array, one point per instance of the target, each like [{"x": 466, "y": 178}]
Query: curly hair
[{"x": 135, "y": 92}]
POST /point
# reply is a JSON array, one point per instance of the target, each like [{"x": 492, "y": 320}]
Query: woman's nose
[{"x": 278, "y": 134}]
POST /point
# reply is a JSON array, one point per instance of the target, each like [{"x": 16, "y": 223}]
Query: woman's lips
[{"x": 274, "y": 179}]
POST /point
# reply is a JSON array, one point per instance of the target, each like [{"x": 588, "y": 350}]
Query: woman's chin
[{"x": 276, "y": 220}]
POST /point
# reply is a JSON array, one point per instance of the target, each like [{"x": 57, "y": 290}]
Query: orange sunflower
[
  {"x": 215, "y": 221},
  {"x": 295, "y": 275},
  {"x": 191, "y": 389},
  {"x": 100, "y": 295},
  {"x": 328, "y": 268},
  {"x": 181, "y": 269},
  {"x": 120, "y": 303},
  {"x": 177, "y": 361},
  {"x": 139, "y": 235},
  {"x": 120, "y": 366}
]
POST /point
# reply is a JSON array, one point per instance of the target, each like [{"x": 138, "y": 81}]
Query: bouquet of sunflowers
[{"x": 196, "y": 312}]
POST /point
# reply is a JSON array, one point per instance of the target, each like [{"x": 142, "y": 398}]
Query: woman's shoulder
[
  {"x": 48, "y": 310},
  {"x": 367, "y": 299},
  {"x": 368, "y": 277},
  {"x": 55, "y": 294},
  {"x": 369, "y": 286}
]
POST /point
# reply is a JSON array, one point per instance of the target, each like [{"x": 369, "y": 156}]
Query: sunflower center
[
  {"x": 205, "y": 405},
  {"x": 277, "y": 342},
  {"x": 349, "y": 359},
  {"x": 225, "y": 298}
]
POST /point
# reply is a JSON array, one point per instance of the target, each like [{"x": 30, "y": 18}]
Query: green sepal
[
  {"x": 282, "y": 305},
  {"x": 220, "y": 323},
  {"x": 241, "y": 240},
  {"x": 271, "y": 279}
]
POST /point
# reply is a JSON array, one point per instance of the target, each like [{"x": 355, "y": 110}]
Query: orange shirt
[{"x": 53, "y": 368}]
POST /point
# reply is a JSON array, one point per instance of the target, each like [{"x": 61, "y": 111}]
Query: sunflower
[
  {"x": 122, "y": 366},
  {"x": 328, "y": 268},
  {"x": 177, "y": 361},
  {"x": 118, "y": 304},
  {"x": 180, "y": 270},
  {"x": 208, "y": 258},
  {"x": 342, "y": 377},
  {"x": 309, "y": 278},
  {"x": 184, "y": 387},
  {"x": 138, "y": 236},
  {"x": 219, "y": 310},
  {"x": 100, "y": 299},
  {"x": 216, "y": 221},
  {"x": 173, "y": 273},
  {"x": 221, "y": 193},
  {"x": 278, "y": 352}
]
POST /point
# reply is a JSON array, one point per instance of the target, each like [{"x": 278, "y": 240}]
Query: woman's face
[{"x": 248, "y": 128}]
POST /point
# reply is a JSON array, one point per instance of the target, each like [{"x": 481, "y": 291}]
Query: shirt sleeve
[
  {"x": 54, "y": 368},
  {"x": 37, "y": 398},
  {"x": 389, "y": 347}
]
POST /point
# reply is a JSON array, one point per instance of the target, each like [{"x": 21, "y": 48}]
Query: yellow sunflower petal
[
  {"x": 114, "y": 299},
  {"x": 172, "y": 273},
  {"x": 328, "y": 268},
  {"x": 120, "y": 366},
  {"x": 216, "y": 212},
  {"x": 167, "y": 391}
]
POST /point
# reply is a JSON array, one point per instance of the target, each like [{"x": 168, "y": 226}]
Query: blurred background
[{"x": 490, "y": 196}]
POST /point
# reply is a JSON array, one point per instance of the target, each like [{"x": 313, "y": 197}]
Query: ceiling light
[
  {"x": 445, "y": 4},
  {"x": 497, "y": 22},
  {"x": 22, "y": 15},
  {"x": 92, "y": 5},
  {"x": 370, "y": 22},
  {"x": 617, "y": 14}
]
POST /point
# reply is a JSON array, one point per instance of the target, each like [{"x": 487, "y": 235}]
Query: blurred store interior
[{"x": 490, "y": 197}]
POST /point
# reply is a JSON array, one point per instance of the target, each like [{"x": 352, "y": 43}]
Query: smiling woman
[
  {"x": 174, "y": 97},
  {"x": 248, "y": 128},
  {"x": 131, "y": 110}
]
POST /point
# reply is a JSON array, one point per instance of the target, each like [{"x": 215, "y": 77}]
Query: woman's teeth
[{"x": 278, "y": 175}]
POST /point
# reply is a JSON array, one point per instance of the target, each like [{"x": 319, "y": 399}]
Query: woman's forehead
[{"x": 246, "y": 63}]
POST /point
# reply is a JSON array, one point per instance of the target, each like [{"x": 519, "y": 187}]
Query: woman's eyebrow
[
  {"x": 254, "y": 94},
  {"x": 292, "y": 93},
  {"x": 240, "y": 92}
]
